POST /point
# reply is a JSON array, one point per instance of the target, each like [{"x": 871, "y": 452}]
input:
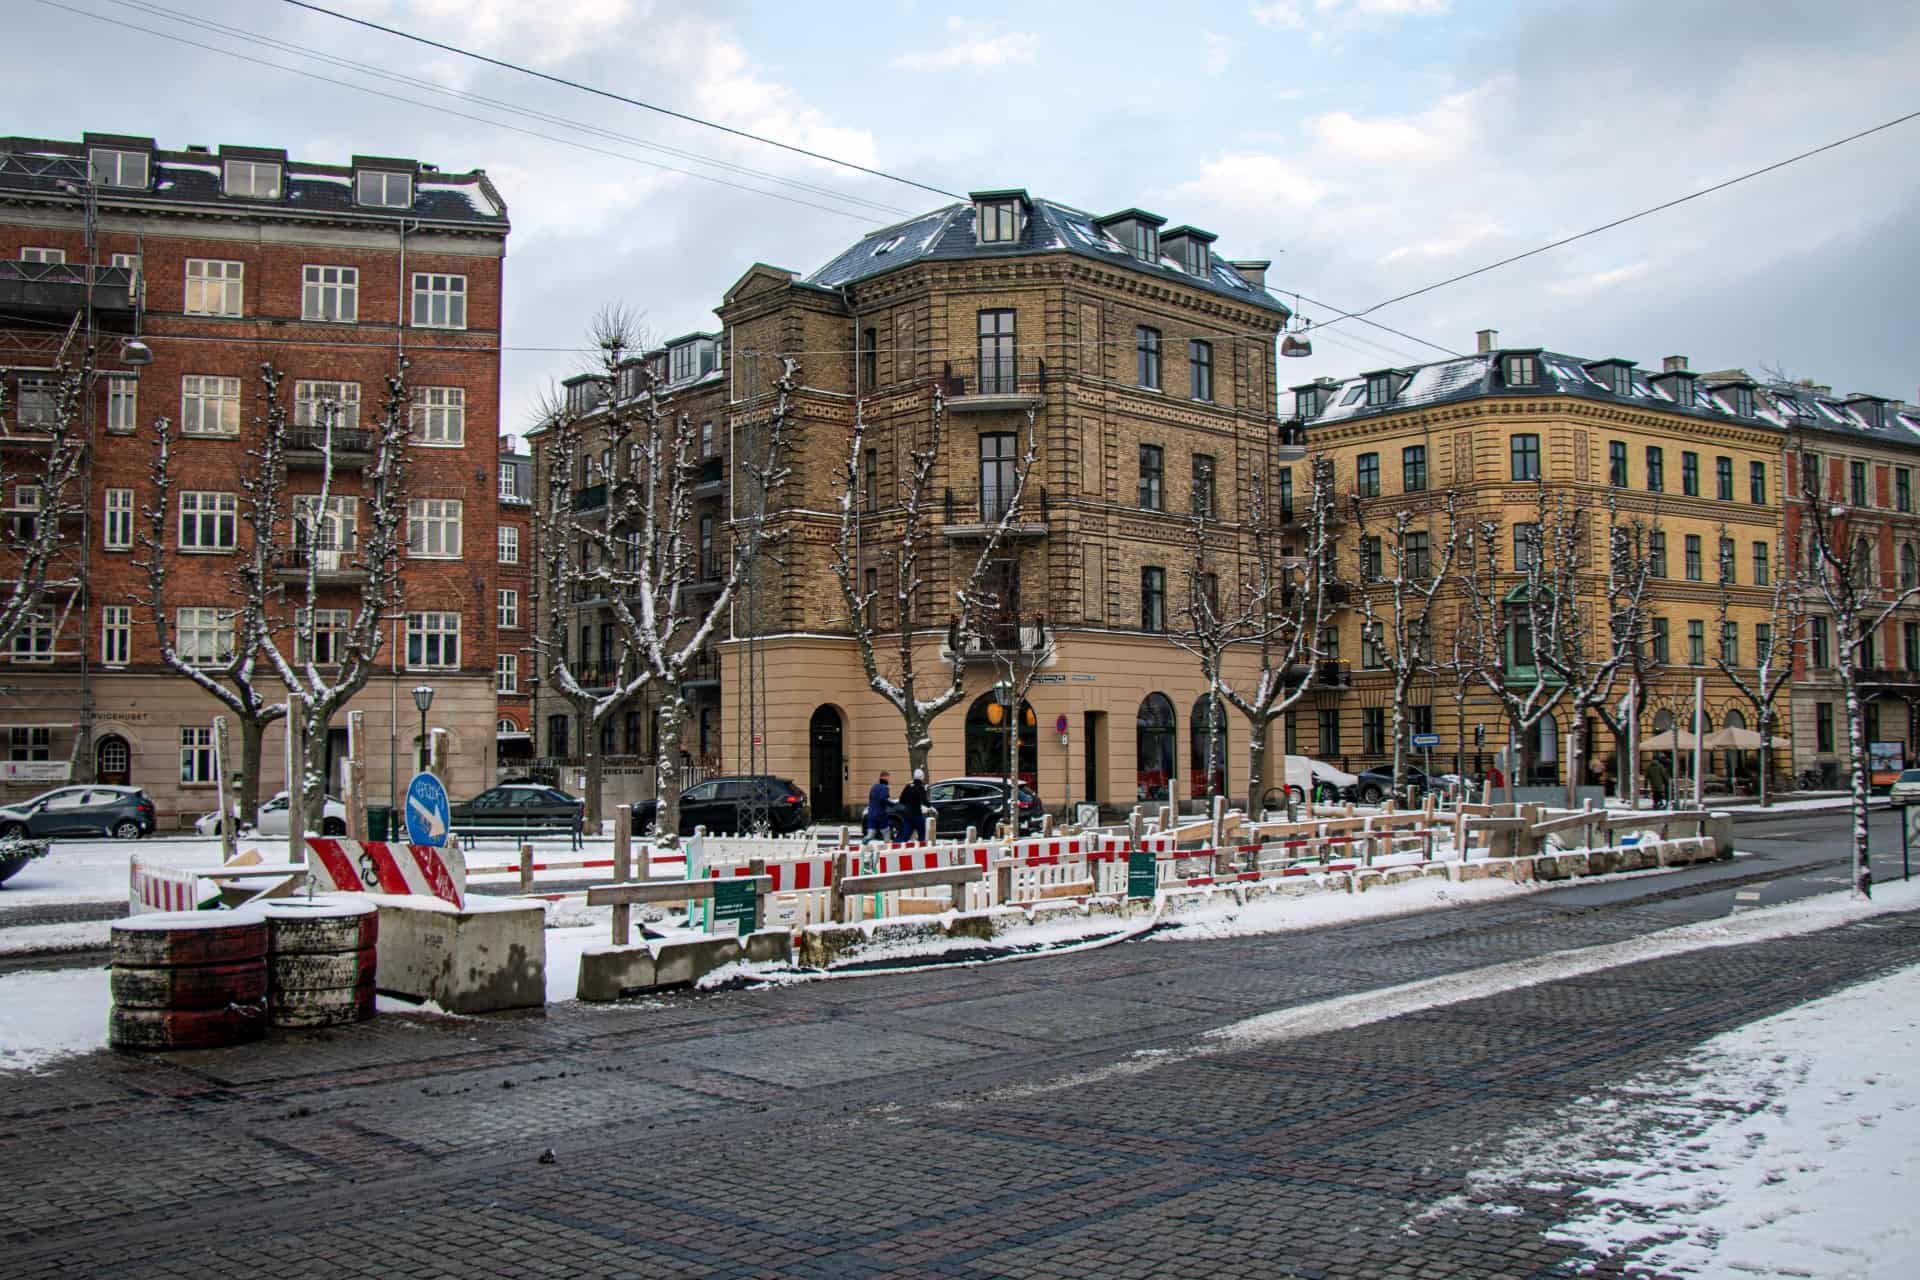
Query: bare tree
[
  {"x": 1406, "y": 575},
  {"x": 51, "y": 420},
  {"x": 1844, "y": 577},
  {"x": 904, "y": 547},
  {"x": 1279, "y": 606},
  {"x": 1773, "y": 656}
]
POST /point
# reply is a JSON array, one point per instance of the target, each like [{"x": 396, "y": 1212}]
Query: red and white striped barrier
[
  {"x": 151, "y": 888},
  {"x": 351, "y": 866}
]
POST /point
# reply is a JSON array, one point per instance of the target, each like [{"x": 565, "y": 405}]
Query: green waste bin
[{"x": 379, "y": 821}]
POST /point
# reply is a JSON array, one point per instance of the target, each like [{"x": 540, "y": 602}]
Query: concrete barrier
[
  {"x": 609, "y": 972},
  {"x": 481, "y": 958}
]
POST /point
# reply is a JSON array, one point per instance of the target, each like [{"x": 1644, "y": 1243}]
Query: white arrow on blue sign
[
  {"x": 428, "y": 813},
  {"x": 1426, "y": 739}
]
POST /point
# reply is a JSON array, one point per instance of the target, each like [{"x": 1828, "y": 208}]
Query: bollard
[
  {"x": 757, "y": 867},
  {"x": 1222, "y": 856},
  {"x": 842, "y": 868},
  {"x": 526, "y": 868},
  {"x": 622, "y": 870}
]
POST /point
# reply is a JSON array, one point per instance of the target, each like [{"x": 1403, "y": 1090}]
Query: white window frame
[
  {"x": 117, "y": 528},
  {"x": 308, "y": 397},
  {"x": 384, "y": 178},
  {"x": 33, "y": 642},
  {"x": 434, "y": 528},
  {"x": 200, "y": 392},
  {"x": 433, "y": 641},
  {"x": 123, "y": 406},
  {"x": 509, "y": 609},
  {"x": 440, "y": 417},
  {"x": 509, "y": 482},
  {"x": 37, "y": 253},
  {"x": 215, "y": 287},
  {"x": 116, "y": 635},
  {"x": 509, "y": 544},
  {"x": 330, "y": 294},
  {"x": 331, "y": 624},
  {"x": 196, "y": 756},
  {"x": 506, "y": 673},
  {"x": 36, "y": 399},
  {"x": 108, "y": 166},
  {"x": 243, "y": 178},
  {"x": 29, "y": 742},
  {"x": 205, "y": 512},
  {"x": 211, "y": 632},
  {"x": 438, "y": 301}
]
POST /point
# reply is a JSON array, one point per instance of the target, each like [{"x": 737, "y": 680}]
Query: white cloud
[
  {"x": 1220, "y": 52},
  {"x": 1285, "y": 15},
  {"x": 1254, "y": 180},
  {"x": 1444, "y": 246},
  {"x": 1576, "y": 285},
  {"x": 974, "y": 45},
  {"x": 564, "y": 28}
]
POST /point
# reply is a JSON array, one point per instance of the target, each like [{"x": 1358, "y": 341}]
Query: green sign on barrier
[
  {"x": 1143, "y": 875},
  {"x": 733, "y": 902}
]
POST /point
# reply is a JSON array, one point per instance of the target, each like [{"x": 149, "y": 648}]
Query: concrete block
[
  {"x": 682, "y": 960},
  {"x": 1602, "y": 862},
  {"x": 485, "y": 957},
  {"x": 1547, "y": 867},
  {"x": 822, "y": 944},
  {"x": 1720, "y": 831},
  {"x": 770, "y": 946},
  {"x": 1572, "y": 865},
  {"x": 607, "y": 973},
  {"x": 975, "y": 925},
  {"x": 1460, "y": 872}
]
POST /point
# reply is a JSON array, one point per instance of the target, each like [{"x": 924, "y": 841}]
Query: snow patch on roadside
[
  {"x": 50, "y": 1014},
  {"x": 75, "y": 936}
]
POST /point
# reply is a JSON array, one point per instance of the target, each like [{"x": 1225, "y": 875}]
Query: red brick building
[{"x": 218, "y": 262}]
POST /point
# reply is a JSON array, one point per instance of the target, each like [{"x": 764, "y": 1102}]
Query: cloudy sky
[{"x": 1368, "y": 147}]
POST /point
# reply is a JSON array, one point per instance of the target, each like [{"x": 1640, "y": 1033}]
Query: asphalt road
[{"x": 1042, "y": 1119}]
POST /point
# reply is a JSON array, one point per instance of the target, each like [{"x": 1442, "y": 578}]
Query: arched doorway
[
  {"x": 113, "y": 761},
  {"x": 1154, "y": 735},
  {"x": 827, "y": 764},
  {"x": 1207, "y": 735},
  {"x": 987, "y": 735}
]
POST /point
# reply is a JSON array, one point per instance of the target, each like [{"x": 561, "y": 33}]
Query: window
[
  {"x": 1152, "y": 478},
  {"x": 1526, "y": 547},
  {"x": 209, "y": 406},
  {"x": 123, "y": 405},
  {"x": 706, "y": 440},
  {"x": 1413, "y": 468},
  {"x": 203, "y": 637},
  {"x": 1723, "y": 478},
  {"x": 1373, "y": 649},
  {"x": 39, "y": 401},
  {"x": 1857, "y": 482},
  {"x": 1727, "y": 573},
  {"x": 1525, "y": 451},
  {"x": 196, "y": 755},
  {"x": 1730, "y": 643},
  {"x": 1693, "y": 557},
  {"x": 433, "y": 528},
  {"x": 117, "y": 168},
  {"x": 439, "y": 301},
  {"x": 253, "y": 178},
  {"x": 1146, "y": 350},
  {"x": 869, "y": 359},
  {"x": 1910, "y": 645},
  {"x": 207, "y": 521},
  {"x": 1617, "y": 463},
  {"x": 506, "y": 672},
  {"x": 1813, "y": 475},
  {"x": 1200, "y": 369},
  {"x": 1865, "y": 650},
  {"x": 1522, "y": 371},
  {"x": 1420, "y": 717},
  {"x": 313, "y": 402},
  {"x": 998, "y": 352},
  {"x": 433, "y": 641},
  {"x": 330, "y": 630},
  {"x": 1656, "y": 469},
  {"x": 1662, "y": 649},
  {"x": 999, "y": 221},
  {"x": 440, "y": 418},
  {"x": 1286, "y": 495},
  {"x": 709, "y": 563},
  {"x": 1696, "y": 643},
  {"x": 1818, "y": 651},
  {"x": 1690, "y": 474},
  {"x": 33, "y": 642},
  {"x": 557, "y": 735},
  {"x": 1823, "y": 726},
  {"x": 1329, "y": 718},
  {"x": 50, "y": 257},
  {"x": 1203, "y": 491},
  {"x": 1379, "y": 389},
  {"x": 214, "y": 287},
  {"x": 1369, "y": 558},
  {"x": 384, "y": 190},
  {"x": 119, "y": 522},
  {"x": 1366, "y": 475},
  {"x": 1743, "y": 402},
  {"x": 1657, "y": 553},
  {"x": 509, "y": 482},
  {"x": 509, "y": 544},
  {"x": 509, "y": 607},
  {"x": 330, "y": 293},
  {"x": 116, "y": 634},
  {"x": 1763, "y": 641},
  {"x": 1757, "y": 483},
  {"x": 1761, "y": 570},
  {"x": 1373, "y": 731},
  {"x": 1330, "y": 643},
  {"x": 1419, "y": 557},
  {"x": 1153, "y": 598}
]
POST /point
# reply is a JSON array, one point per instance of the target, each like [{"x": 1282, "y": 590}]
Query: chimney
[
  {"x": 1673, "y": 364},
  {"x": 199, "y": 149},
  {"x": 1489, "y": 339},
  {"x": 1255, "y": 270}
]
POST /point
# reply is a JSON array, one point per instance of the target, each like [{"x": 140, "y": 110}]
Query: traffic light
[{"x": 1479, "y": 735}]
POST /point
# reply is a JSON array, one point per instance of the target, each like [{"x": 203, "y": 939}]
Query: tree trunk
[
  {"x": 1766, "y": 757},
  {"x": 252, "y": 731},
  {"x": 1256, "y": 765},
  {"x": 1399, "y": 738},
  {"x": 1857, "y": 735},
  {"x": 1576, "y": 753},
  {"x": 596, "y": 777},
  {"x": 1460, "y": 741},
  {"x": 670, "y": 715},
  {"x": 919, "y": 741}
]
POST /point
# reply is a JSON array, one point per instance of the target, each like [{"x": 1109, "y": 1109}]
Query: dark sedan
[
  {"x": 735, "y": 805},
  {"x": 980, "y": 803},
  {"x": 519, "y": 805},
  {"x": 1376, "y": 784},
  {"x": 126, "y": 813}
]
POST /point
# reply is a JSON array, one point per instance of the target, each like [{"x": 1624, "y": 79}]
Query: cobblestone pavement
[{"x": 1029, "y": 1120}]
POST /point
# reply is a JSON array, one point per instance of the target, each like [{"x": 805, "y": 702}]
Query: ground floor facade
[
  {"x": 155, "y": 731},
  {"x": 1890, "y": 706}
]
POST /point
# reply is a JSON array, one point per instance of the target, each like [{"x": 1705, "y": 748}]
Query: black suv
[
  {"x": 980, "y": 803},
  {"x": 732, "y": 805}
]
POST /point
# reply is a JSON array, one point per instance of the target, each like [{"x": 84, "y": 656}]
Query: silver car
[{"x": 1906, "y": 787}]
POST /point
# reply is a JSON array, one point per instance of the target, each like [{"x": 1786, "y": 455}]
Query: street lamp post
[{"x": 423, "y": 698}]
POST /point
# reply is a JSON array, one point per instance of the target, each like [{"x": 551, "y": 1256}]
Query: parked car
[
  {"x": 1374, "y": 785},
  {"x": 732, "y": 805},
  {"x": 1906, "y": 787},
  {"x": 519, "y": 805},
  {"x": 271, "y": 820},
  {"x": 125, "y": 813},
  {"x": 1327, "y": 783},
  {"x": 977, "y": 802}
]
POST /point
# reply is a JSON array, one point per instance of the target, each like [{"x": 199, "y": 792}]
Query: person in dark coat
[
  {"x": 879, "y": 802},
  {"x": 913, "y": 800}
]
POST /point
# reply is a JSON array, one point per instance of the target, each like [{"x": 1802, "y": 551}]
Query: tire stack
[
  {"x": 188, "y": 980},
  {"x": 320, "y": 960}
]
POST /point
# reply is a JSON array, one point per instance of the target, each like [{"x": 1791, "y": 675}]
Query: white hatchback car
[{"x": 272, "y": 819}]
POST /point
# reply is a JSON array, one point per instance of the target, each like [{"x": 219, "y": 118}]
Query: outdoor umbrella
[
  {"x": 1733, "y": 739},
  {"x": 1669, "y": 740}
]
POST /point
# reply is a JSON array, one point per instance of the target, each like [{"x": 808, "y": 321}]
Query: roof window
[
  {"x": 114, "y": 168},
  {"x": 1615, "y": 375},
  {"x": 889, "y": 246},
  {"x": 1000, "y": 217},
  {"x": 256, "y": 179},
  {"x": 1191, "y": 248},
  {"x": 1380, "y": 388},
  {"x": 381, "y": 189},
  {"x": 1520, "y": 370},
  {"x": 1872, "y": 410},
  {"x": 1137, "y": 231}
]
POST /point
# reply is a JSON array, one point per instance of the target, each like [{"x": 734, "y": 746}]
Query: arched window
[
  {"x": 1207, "y": 736},
  {"x": 505, "y": 724},
  {"x": 1909, "y": 566},
  {"x": 990, "y": 738},
  {"x": 113, "y": 760},
  {"x": 1154, "y": 734},
  {"x": 1863, "y": 574}
]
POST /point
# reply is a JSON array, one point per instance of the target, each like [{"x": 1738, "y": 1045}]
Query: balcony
[
  {"x": 58, "y": 291},
  {"x": 306, "y": 448},
  {"x": 708, "y": 583},
  {"x": 1292, "y": 444},
  {"x": 509, "y": 498},
  {"x": 1011, "y": 635},
  {"x": 710, "y": 477},
  {"x": 975, "y": 513},
  {"x": 1330, "y": 674},
  {"x": 591, "y": 498},
  {"x": 1885, "y": 676},
  {"x": 994, "y": 386},
  {"x": 331, "y": 565},
  {"x": 703, "y": 672}
]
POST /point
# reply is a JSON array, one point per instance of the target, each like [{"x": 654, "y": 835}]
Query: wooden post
[
  {"x": 296, "y": 773},
  {"x": 437, "y": 753},
  {"x": 526, "y": 870},
  {"x": 1460, "y": 833},
  {"x": 1003, "y": 885},
  {"x": 756, "y": 867},
  {"x": 356, "y": 796},
  {"x": 840, "y": 903},
  {"x": 1222, "y": 856}
]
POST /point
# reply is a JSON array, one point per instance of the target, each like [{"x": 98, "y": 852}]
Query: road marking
[{"x": 1746, "y": 900}]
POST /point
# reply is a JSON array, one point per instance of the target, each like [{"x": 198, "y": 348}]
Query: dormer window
[
  {"x": 1682, "y": 389},
  {"x": 111, "y": 168},
  {"x": 379, "y": 189},
  {"x": 1872, "y": 412},
  {"x": 999, "y": 221},
  {"x": 1621, "y": 379},
  {"x": 1521, "y": 371},
  {"x": 1379, "y": 389},
  {"x": 1306, "y": 401},
  {"x": 1142, "y": 241},
  {"x": 1191, "y": 248},
  {"x": 1741, "y": 399},
  {"x": 256, "y": 179}
]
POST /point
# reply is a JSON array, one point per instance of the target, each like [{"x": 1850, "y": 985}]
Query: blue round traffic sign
[{"x": 428, "y": 813}]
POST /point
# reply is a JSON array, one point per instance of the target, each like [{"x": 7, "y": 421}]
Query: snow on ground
[
  {"x": 1789, "y": 1147},
  {"x": 48, "y": 1014},
  {"x": 96, "y": 870},
  {"x": 37, "y": 938}
]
